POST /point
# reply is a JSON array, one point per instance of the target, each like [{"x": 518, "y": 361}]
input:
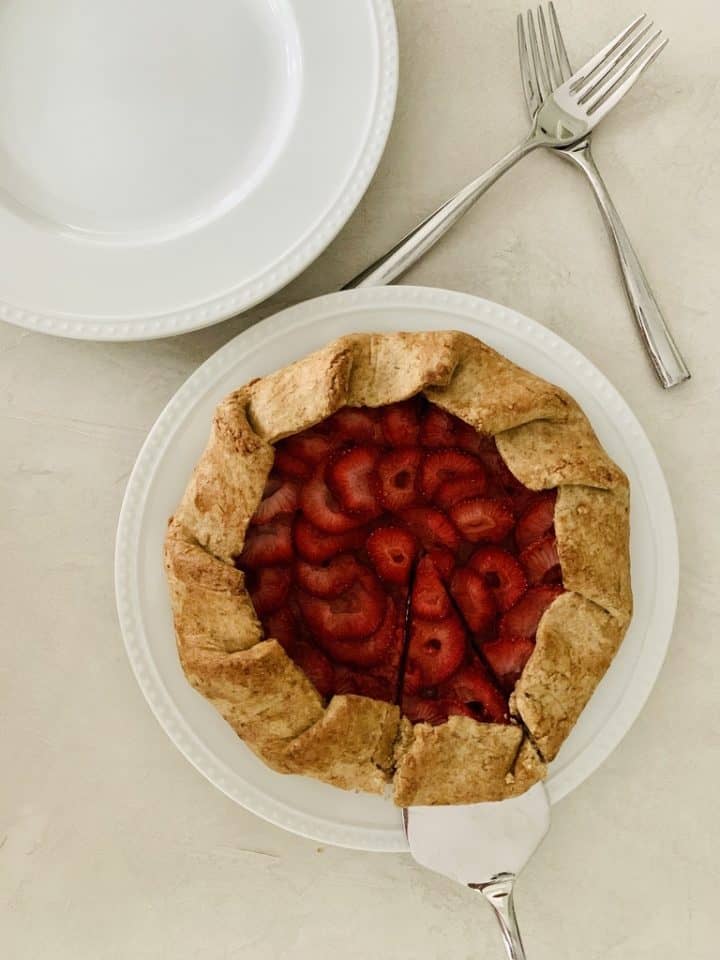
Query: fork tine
[
  {"x": 553, "y": 70},
  {"x": 609, "y": 96},
  {"x": 532, "y": 97},
  {"x": 587, "y": 71},
  {"x": 562, "y": 55},
  {"x": 544, "y": 86},
  {"x": 612, "y": 66}
]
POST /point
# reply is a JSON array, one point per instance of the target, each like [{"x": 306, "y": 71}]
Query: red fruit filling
[
  {"x": 353, "y": 479},
  {"x": 429, "y": 600},
  {"x": 474, "y": 598},
  {"x": 395, "y": 556},
  {"x": 392, "y": 552},
  {"x": 397, "y": 477}
]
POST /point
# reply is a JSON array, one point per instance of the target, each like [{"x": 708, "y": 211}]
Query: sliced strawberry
[
  {"x": 266, "y": 546},
  {"x": 354, "y": 614},
  {"x": 316, "y": 667},
  {"x": 436, "y": 649},
  {"x": 536, "y": 520},
  {"x": 522, "y": 620},
  {"x": 425, "y": 710},
  {"x": 467, "y": 438},
  {"x": 345, "y": 680},
  {"x": 363, "y": 684},
  {"x": 431, "y": 527},
  {"x": 397, "y": 471},
  {"x": 296, "y": 456},
  {"x": 474, "y": 598},
  {"x": 507, "y": 657},
  {"x": 288, "y": 466},
  {"x": 353, "y": 480},
  {"x": 442, "y": 429},
  {"x": 270, "y": 589},
  {"x": 392, "y": 552},
  {"x": 367, "y": 651},
  {"x": 454, "y": 491},
  {"x": 473, "y": 687},
  {"x": 502, "y": 573},
  {"x": 401, "y": 423},
  {"x": 444, "y": 561},
  {"x": 283, "y": 627},
  {"x": 316, "y": 545},
  {"x": 322, "y": 509},
  {"x": 438, "y": 428},
  {"x": 279, "y": 497},
  {"x": 541, "y": 561},
  {"x": 455, "y": 708},
  {"x": 429, "y": 598},
  {"x": 500, "y": 478},
  {"x": 330, "y": 579},
  {"x": 433, "y": 711},
  {"x": 521, "y": 497},
  {"x": 482, "y": 519},
  {"x": 355, "y": 423},
  {"x": 442, "y": 465},
  {"x": 412, "y": 678},
  {"x": 310, "y": 446}
]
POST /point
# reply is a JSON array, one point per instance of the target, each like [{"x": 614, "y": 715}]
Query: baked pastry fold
[{"x": 356, "y": 742}]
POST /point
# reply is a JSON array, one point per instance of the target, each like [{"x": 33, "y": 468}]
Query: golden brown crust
[
  {"x": 228, "y": 481},
  {"x": 264, "y": 697},
  {"x": 491, "y": 393},
  {"x": 549, "y": 453},
  {"x": 391, "y": 367},
  {"x": 593, "y": 536},
  {"x": 463, "y": 761},
  {"x": 350, "y": 746},
  {"x": 529, "y": 768},
  {"x": 212, "y": 609},
  {"x": 546, "y": 441},
  {"x": 576, "y": 641},
  {"x": 301, "y": 394},
  {"x": 356, "y": 370}
]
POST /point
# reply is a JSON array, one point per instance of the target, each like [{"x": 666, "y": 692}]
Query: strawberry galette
[{"x": 402, "y": 558}]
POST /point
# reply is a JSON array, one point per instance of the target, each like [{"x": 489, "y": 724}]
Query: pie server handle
[{"x": 499, "y": 894}]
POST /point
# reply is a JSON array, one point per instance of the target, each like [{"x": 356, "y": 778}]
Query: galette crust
[
  {"x": 470, "y": 761},
  {"x": 575, "y": 644},
  {"x": 355, "y": 742},
  {"x": 350, "y": 746},
  {"x": 228, "y": 481}
]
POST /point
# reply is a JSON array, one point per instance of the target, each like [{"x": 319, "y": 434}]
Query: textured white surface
[{"x": 111, "y": 845}]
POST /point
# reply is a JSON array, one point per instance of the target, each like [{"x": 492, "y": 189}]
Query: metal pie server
[{"x": 484, "y": 846}]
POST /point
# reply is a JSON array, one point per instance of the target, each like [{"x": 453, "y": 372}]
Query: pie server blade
[{"x": 482, "y": 845}]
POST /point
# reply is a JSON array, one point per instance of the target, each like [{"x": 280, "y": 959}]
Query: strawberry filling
[{"x": 394, "y": 555}]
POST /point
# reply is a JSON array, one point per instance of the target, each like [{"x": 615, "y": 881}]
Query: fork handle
[
  {"x": 661, "y": 348},
  {"x": 499, "y": 894},
  {"x": 426, "y": 234}
]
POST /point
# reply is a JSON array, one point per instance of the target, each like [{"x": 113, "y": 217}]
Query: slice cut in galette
[{"x": 402, "y": 558}]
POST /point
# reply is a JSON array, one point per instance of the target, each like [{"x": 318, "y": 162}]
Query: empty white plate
[
  {"x": 165, "y": 165},
  {"x": 173, "y": 447}
]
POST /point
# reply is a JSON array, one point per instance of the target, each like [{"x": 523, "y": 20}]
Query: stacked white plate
[{"x": 166, "y": 165}]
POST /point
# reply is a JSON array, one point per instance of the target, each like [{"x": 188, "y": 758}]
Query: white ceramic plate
[
  {"x": 300, "y": 804},
  {"x": 166, "y": 165}
]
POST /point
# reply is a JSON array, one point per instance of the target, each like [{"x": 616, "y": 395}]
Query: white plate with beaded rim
[
  {"x": 164, "y": 166},
  {"x": 173, "y": 446}
]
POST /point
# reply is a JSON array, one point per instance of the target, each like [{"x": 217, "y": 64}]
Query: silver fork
[
  {"x": 542, "y": 67},
  {"x": 564, "y": 117}
]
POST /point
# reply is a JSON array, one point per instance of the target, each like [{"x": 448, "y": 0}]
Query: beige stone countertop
[{"x": 111, "y": 845}]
